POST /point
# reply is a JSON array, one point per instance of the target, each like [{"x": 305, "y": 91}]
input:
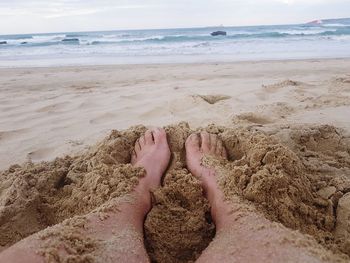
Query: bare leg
[
  {"x": 118, "y": 236},
  {"x": 242, "y": 235}
]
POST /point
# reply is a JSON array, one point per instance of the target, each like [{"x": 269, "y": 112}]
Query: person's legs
[
  {"x": 118, "y": 236},
  {"x": 242, "y": 234}
]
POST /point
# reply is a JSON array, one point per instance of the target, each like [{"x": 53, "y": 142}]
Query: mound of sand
[{"x": 297, "y": 176}]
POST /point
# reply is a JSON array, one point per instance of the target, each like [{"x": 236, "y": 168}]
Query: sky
[{"x": 40, "y": 16}]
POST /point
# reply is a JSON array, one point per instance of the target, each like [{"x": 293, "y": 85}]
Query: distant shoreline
[{"x": 156, "y": 62}]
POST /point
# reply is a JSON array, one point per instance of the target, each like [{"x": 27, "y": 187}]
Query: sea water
[{"x": 321, "y": 39}]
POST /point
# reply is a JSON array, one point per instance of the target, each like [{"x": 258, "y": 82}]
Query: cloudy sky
[{"x": 34, "y": 16}]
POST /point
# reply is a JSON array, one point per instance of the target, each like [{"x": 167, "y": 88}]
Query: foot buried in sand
[
  {"x": 234, "y": 229},
  {"x": 116, "y": 235},
  {"x": 152, "y": 153},
  {"x": 197, "y": 146},
  {"x": 242, "y": 233}
]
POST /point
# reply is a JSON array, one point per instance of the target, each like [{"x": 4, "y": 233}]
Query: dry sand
[
  {"x": 49, "y": 112},
  {"x": 285, "y": 125}
]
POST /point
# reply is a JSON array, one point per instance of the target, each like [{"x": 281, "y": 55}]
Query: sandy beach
[
  {"x": 50, "y": 112},
  {"x": 284, "y": 123}
]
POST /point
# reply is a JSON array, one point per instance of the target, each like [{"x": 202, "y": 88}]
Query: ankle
[
  {"x": 220, "y": 213},
  {"x": 220, "y": 210},
  {"x": 143, "y": 203},
  {"x": 132, "y": 208}
]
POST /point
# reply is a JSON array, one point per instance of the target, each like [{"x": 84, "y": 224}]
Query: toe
[
  {"x": 133, "y": 157},
  {"x": 205, "y": 142},
  {"x": 137, "y": 146},
  {"x": 219, "y": 148},
  {"x": 149, "y": 137},
  {"x": 224, "y": 153},
  {"x": 193, "y": 142},
  {"x": 159, "y": 135},
  {"x": 142, "y": 141},
  {"x": 213, "y": 142}
]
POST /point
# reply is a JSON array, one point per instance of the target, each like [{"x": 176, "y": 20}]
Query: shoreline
[{"x": 169, "y": 63}]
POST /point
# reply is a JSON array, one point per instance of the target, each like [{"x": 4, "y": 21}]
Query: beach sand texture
[{"x": 285, "y": 125}]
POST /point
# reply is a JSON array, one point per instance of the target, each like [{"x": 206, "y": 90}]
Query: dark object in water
[
  {"x": 3, "y": 42},
  {"x": 23, "y": 43},
  {"x": 71, "y": 40},
  {"x": 219, "y": 33}
]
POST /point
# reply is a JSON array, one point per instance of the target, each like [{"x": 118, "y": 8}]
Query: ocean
[{"x": 318, "y": 39}]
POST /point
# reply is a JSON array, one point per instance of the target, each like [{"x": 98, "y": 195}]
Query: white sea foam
[{"x": 173, "y": 45}]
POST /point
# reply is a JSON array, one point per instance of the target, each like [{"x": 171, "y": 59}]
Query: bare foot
[
  {"x": 198, "y": 145},
  {"x": 152, "y": 153}
]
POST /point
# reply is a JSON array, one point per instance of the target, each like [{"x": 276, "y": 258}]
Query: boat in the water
[{"x": 218, "y": 33}]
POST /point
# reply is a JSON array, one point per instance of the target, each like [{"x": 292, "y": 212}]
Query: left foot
[{"x": 152, "y": 153}]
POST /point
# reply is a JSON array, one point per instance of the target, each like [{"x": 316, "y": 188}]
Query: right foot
[{"x": 198, "y": 145}]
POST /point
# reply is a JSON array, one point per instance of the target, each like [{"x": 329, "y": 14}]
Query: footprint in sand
[
  {"x": 104, "y": 118},
  {"x": 251, "y": 117},
  {"x": 53, "y": 107},
  {"x": 344, "y": 80},
  {"x": 75, "y": 143},
  {"x": 134, "y": 97},
  {"x": 327, "y": 100},
  {"x": 40, "y": 154},
  {"x": 341, "y": 84},
  {"x": 279, "y": 110},
  {"x": 280, "y": 85},
  {"x": 288, "y": 87},
  {"x": 85, "y": 88},
  {"x": 87, "y": 104},
  {"x": 12, "y": 134},
  {"x": 155, "y": 112},
  {"x": 212, "y": 99}
]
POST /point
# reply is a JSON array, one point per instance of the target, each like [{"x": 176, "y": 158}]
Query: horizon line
[{"x": 170, "y": 28}]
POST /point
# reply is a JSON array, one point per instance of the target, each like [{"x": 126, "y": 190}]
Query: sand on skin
[
  {"x": 281, "y": 171},
  {"x": 295, "y": 174}
]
